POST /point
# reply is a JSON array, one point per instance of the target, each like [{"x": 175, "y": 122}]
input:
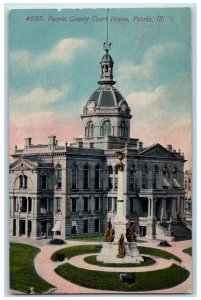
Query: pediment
[
  {"x": 156, "y": 150},
  {"x": 22, "y": 165}
]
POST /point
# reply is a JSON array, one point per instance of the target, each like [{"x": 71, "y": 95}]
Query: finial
[{"x": 106, "y": 45}]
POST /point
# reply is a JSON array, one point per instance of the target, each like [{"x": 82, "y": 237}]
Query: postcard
[{"x": 100, "y": 151}]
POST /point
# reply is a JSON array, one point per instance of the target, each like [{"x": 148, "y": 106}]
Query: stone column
[
  {"x": 150, "y": 234},
  {"x": 174, "y": 213},
  {"x": 149, "y": 207}
]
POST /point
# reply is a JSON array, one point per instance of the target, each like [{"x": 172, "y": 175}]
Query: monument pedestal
[{"x": 109, "y": 252}]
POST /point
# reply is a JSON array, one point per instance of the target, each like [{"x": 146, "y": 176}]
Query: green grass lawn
[
  {"x": 144, "y": 281},
  {"x": 188, "y": 251},
  {"x": 158, "y": 252},
  {"x": 22, "y": 271},
  {"x": 92, "y": 260},
  {"x": 77, "y": 250}
]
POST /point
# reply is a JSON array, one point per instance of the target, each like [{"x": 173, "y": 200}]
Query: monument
[{"x": 120, "y": 242}]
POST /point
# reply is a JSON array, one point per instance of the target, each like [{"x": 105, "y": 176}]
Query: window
[
  {"x": 110, "y": 183},
  {"x": 85, "y": 226},
  {"x": 116, "y": 183},
  {"x": 14, "y": 227},
  {"x": 74, "y": 205},
  {"x": 89, "y": 130},
  {"x": 189, "y": 184},
  {"x": 174, "y": 172},
  {"x": 74, "y": 177},
  {"x": 86, "y": 204},
  {"x": 44, "y": 182},
  {"x": 25, "y": 181},
  {"x": 185, "y": 185},
  {"x": 110, "y": 170},
  {"x": 20, "y": 182},
  {"x": 123, "y": 130},
  {"x": 29, "y": 204},
  {"x": 155, "y": 172},
  {"x": 165, "y": 171},
  {"x": 59, "y": 176},
  {"x": 86, "y": 177},
  {"x": 97, "y": 177},
  {"x": 144, "y": 178},
  {"x": 23, "y": 206},
  {"x": 132, "y": 169},
  {"x": 15, "y": 204},
  {"x": 97, "y": 225},
  {"x": 106, "y": 128},
  {"x": 109, "y": 203},
  {"x": 131, "y": 183},
  {"x": 58, "y": 204},
  {"x": 97, "y": 206}
]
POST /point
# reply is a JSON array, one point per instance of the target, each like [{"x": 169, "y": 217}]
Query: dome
[
  {"x": 107, "y": 58},
  {"x": 106, "y": 95}
]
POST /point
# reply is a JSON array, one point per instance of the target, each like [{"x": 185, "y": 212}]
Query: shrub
[
  {"x": 56, "y": 242},
  {"x": 59, "y": 256}
]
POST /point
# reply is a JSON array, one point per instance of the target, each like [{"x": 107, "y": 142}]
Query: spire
[{"x": 106, "y": 61}]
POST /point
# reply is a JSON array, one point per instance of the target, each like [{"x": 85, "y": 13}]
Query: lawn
[
  {"x": 92, "y": 260},
  {"x": 22, "y": 271},
  {"x": 77, "y": 250},
  {"x": 158, "y": 252},
  {"x": 144, "y": 281},
  {"x": 188, "y": 251},
  {"x": 97, "y": 238}
]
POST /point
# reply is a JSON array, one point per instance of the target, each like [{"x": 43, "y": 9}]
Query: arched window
[
  {"x": 174, "y": 172},
  {"x": 144, "y": 177},
  {"x": 106, "y": 128},
  {"x": 44, "y": 181},
  {"x": 23, "y": 179},
  {"x": 20, "y": 182},
  {"x": 89, "y": 130},
  {"x": 165, "y": 170},
  {"x": 59, "y": 176},
  {"x": 97, "y": 177},
  {"x": 123, "y": 130},
  {"x": 74, "y": 176},
  {"x": 155, "y": 172},
  {"x": 86, "y": 177}
]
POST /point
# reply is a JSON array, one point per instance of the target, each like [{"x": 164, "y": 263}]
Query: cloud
[
  {"x": 62, "y": 53},
  {"x": 158, "y": 61},
  {"x": 142, "y": 99},
  {"x": 41, "y": 96}
]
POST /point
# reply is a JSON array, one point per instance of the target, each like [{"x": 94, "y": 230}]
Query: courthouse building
[{"x": 64, "y": 191}]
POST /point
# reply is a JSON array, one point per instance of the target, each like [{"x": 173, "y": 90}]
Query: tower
[{"x": 106, "y": 113}]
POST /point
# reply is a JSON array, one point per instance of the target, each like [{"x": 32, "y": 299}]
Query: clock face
[{"x": 123, "y": 107}]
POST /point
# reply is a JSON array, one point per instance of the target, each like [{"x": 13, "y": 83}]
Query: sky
[{"x": 54, "y": 66}]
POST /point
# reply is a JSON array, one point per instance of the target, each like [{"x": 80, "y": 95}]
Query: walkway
[{"x": 45, "y": 267}]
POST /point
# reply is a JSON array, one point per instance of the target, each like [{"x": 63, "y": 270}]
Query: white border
[{"x": 196, "y": 124}]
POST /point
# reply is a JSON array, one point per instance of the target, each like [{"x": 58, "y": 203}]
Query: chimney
[
  {"x": 169, "y": 148},
  {"x": 140, "y": 146},
  {"x": 52, "y": 140},
  {"x": 27, "y": 141}
]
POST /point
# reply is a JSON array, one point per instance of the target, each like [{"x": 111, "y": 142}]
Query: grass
[
  {"x": 92, "y": 260},
  {"x": 77, "y": 250},
  {"x": 22, "y": 271},
  {"x": 144, "y": 281},
  {"x": 159, "y": 253},
  {"x": 188, "y": 251}
]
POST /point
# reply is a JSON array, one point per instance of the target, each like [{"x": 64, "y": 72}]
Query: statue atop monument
[
  {"x": 120, "y": 155},
  {"x": 109, "y": 232},
  {"x": 131, "y": 234}
]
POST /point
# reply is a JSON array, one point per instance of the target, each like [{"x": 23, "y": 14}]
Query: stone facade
[{"x": 63, "y": 191}]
